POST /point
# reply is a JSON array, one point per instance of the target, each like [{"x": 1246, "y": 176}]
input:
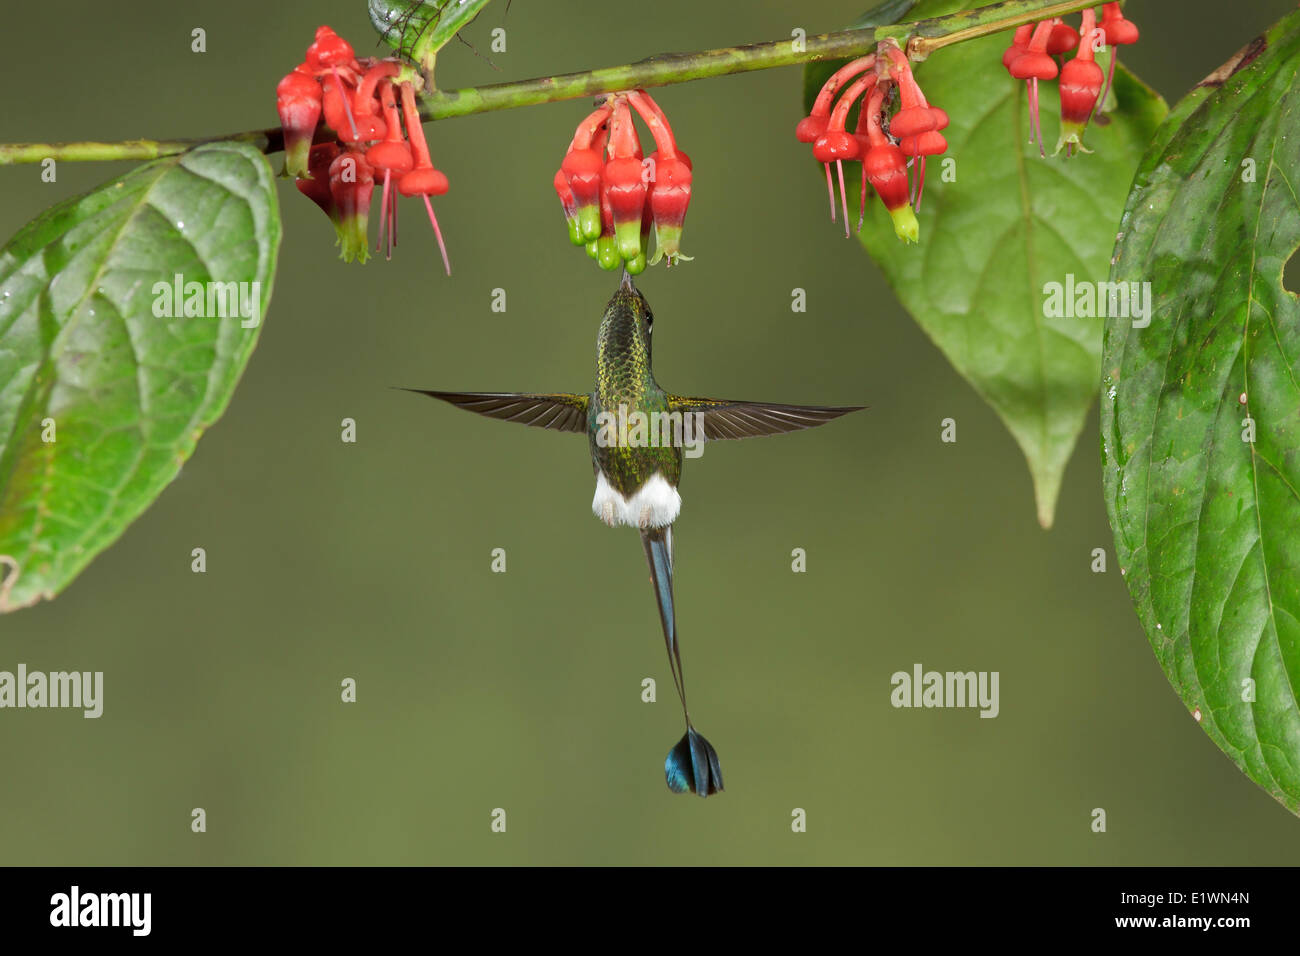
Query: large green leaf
[
  {"x": 418, "y": 29},
  {"x": 1205, "y": 521},
  {"x": 86, "y": 360},
  {"x": 1010, "y": 223}
]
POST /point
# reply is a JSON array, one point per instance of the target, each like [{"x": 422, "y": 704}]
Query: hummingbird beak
[{"x": 626, "y": 285}]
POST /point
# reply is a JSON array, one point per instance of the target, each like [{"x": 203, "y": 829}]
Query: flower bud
[
  {"x": 298, "y": 101},
  {"x": 352, "y": 183}
]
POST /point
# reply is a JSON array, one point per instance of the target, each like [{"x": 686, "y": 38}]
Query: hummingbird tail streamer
[{"x": 692, "y": 764}]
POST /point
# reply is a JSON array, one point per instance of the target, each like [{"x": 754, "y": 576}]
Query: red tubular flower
[
  {"x": 670, "y": 195},
  {"x": 604, "y": 218},
  {"x": 329, "y": 49},
  {"x": 1034, "y": 65},
  {"x": 298, "y": 101},
  {"x": 327, "y": 54},
  {"x": 365, "y": 103},
  {"x": 885, "y": 167},
  {"x": 582, "y": 166},
  {"x": 316, "y": 185},
  {"x": 836, "y": 144},
  {"x": 815, "y": 123},
  {"x": 916, "y": 123},
  {"x": 392, "y": 157},
  {"x": 570, "y": 206},
  {"x": 422, "y": 179},
  {"x": 887, "y": 172},
  {"x": 622, "y": 180},
  {"x": 864, "y": 146},
  {"x": 613, "y": 203},
  {"x": 1062, "y": 39},
  {"x": 670, "y": 189},
  {"x": 1019, "y": 44},
  {"x": 607, "y": 255},
  {"x": 358, "y": 102},
  {"x": 929, "y": 143},
  {"x": 914, "y": 116},
  {"x": 1117, "y": 31},
  {"x": 812, "y": 127},
  {"x": 1081, "y": 82},
  {"x": 352, "y": 183}
]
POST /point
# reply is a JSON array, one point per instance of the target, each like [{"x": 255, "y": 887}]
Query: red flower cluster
[
  {"x": 1030, "y": 58},
  {"x": 886, "y": 145},
  {"x": 336, "y": 164},
  {"x": 612, "y": 196}
]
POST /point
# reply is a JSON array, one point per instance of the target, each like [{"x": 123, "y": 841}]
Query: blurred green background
[{"x": 522, "y": 690}]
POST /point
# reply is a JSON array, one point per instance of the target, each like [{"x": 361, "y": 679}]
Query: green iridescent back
[{"x": 624, "y": 378}]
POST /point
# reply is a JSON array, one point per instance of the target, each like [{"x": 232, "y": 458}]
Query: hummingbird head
[{"x": 626, "y": 327}]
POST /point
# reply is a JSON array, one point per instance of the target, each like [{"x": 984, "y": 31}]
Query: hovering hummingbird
[{"x": 637, "y": 459}]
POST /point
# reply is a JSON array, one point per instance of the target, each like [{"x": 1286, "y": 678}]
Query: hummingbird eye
[{"x": 649, "y": 322}]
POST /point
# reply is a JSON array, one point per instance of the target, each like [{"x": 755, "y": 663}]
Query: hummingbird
[{"x": 638, "y": 435}]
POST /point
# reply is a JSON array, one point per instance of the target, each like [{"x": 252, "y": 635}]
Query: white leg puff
[{"x": 654, "y": 505}]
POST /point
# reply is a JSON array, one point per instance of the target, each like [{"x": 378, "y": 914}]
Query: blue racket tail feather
[{"x": 692, "y": 765}]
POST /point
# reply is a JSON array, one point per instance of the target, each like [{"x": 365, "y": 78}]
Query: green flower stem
[
  {"x": 921, "y": 38},
  {"x": 266, "y": 140},
  {"x": 939, "y": 32}
]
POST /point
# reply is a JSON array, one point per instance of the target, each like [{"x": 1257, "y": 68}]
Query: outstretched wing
[
  {"x": 558, "y": 411},
  {"x": 728, "y": 419}
]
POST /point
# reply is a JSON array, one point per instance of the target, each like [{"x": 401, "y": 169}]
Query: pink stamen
[
  {"x": 383, "y": 214},
  {"x": 862, "y": 197},
  {"x": 920, "y": 182},
  {"x": 1033, "y": 116},
  {"x": 390, "y": 236},
  {"x": 830, "y": 190},
  {"x": 1110, "y": 75},
  {"x": 1029, "y": 99},
  {"x": 446, "y": 263},
  {"x": 844, "y": 199},
  {"x": 392, "y": 223},
  {"x": 347, "y": 107}
]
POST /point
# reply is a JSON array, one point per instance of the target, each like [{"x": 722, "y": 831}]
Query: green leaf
[
  {"x": 1205, "y": 521},
  {"x": 418, "y": 29},
  {"x": 1009, "y": 223},
  {"x": 883, "y": 14},
  {"x": 86, "y": 361}
]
